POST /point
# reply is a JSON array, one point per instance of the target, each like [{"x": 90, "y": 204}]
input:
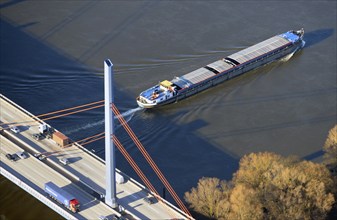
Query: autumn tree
[
  {"x": 330, "y": 160},
  {"x": 330, "y": 149},
  {"x": 287, "y": 188},
  {"x": 267, "y": 186},
  {"x": 243, "y": 203},
  {"x": 210, "y": 197}
]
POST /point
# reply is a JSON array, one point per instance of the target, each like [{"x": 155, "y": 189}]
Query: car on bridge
[
  {"x": 64, "y": 161},
  {"x": 37, "y": 136},
  {"x": 40, "y": 156},
  {"x": 149, "y": 200},
  {"x": 15, "y": 129},
  {"x": 22, "y": 154},
  {"x": 12, "y": 157}
]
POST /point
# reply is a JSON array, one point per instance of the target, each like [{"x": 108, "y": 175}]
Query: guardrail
[
  {"x": 20, "y": 108},
  {"x": 36, "y": 194}
]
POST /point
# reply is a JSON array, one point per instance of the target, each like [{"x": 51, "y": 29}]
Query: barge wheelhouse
[{"x": 179, "y": 88}]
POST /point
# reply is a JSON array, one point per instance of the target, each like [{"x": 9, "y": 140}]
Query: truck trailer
[
  {"x": 61, "y": 196},
  {"x": 60, "y": 139}
]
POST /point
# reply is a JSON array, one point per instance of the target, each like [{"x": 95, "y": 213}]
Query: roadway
[
  {"x": 84, "y": 167},
  {"x": 36, "y": 174}
]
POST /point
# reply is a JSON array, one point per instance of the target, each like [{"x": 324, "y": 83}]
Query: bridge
[{"x": 84, "y": 176}]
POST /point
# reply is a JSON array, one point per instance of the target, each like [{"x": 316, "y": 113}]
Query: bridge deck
[
  {"x": 35, "y": 174},
  {"x": 83, "y": 167}
]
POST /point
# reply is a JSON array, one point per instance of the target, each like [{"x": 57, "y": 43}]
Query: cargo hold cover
[
  {"x": 220, "y": 66},
  {"x": 198, "y": 75},
  {"x": 259, "y": 49}
]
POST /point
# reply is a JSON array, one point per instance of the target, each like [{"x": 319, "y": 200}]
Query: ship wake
[
  {"x": 287, "y": 57},
  {"x": 85, "y": 127},
  {"x": 130, "y": 113},
  {"x": 127, "y": 115}
]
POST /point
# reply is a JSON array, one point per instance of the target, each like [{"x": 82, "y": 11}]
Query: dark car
[
  {"x": 149, "y": 200},
  {"x": 37, "y": 136},
  {"x": 12, "y": 157},
  {"x": 16, "y": 157},
  {"x": 9, "y": 156},
  {"x": 115, "y": 217}
]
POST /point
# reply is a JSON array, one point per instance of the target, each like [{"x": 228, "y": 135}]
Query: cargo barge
[{"x": 265, "y": 52}]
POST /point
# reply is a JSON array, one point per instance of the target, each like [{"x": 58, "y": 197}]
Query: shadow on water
[
  {"x": 182, "y": 154},
  {"x": 117, "y": 31},
  {"x": 270, "y": 127},
  {"x": 314, "y": 37},
  {"x": 261, "y": 98},
  {"x": 69, "y": 19},
  {"x": 10, "y": 3},
  {"x": 27, "y": 25},
  {"x": 38, "y": 71},
  {"x": 314, "y": 155}
]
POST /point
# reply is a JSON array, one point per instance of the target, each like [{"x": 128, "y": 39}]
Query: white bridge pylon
[{"x": 110, "y": 162}]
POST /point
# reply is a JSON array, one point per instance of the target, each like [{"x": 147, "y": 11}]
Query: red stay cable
[{"x": 149, "y": 159}]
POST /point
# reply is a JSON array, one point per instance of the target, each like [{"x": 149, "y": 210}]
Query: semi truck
[{"x": 61, "y": 196}]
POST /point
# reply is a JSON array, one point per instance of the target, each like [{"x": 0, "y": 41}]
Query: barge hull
[
  {"x": 221, "y": 78},
  {"x": 258, "y": 55}
]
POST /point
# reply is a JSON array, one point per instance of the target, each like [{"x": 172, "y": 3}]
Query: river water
[{"x": 52, "y": 55}]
